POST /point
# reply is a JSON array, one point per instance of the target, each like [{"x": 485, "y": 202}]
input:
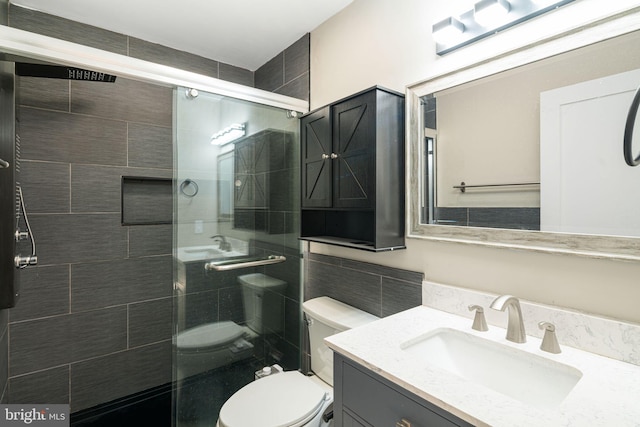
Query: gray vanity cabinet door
[
  {"x": 363, "y": 398},
  {"x": 349, "y": 421}
]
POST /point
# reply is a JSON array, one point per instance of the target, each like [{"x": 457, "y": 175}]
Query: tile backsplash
[
  {"x": 373, "y": 288},
  {"x": 606, "y": 337}
]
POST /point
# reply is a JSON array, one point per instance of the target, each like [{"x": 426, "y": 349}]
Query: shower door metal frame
[{"x": 17, "y": 44}]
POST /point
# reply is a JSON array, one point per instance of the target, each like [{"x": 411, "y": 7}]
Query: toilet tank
[
  {"x": 263, "y": 302},
  {"x": 326, "y": 317}
]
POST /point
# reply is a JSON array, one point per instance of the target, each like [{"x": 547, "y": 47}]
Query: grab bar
[
  {"x": 463, "y": 187},
  {"x": 243, "y": 263},
  {"x": 4, "y": 164}
]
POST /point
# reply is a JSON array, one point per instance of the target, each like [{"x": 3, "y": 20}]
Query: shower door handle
[
  {"x": 243, "y": 263},
  {"x": 4, "y": 164}
]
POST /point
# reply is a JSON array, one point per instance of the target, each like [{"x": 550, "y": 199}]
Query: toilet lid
[
  {"x": 209, "y": 335},
  {"x": 285, "y": 399},
  {"x": 260, "y": 281}
]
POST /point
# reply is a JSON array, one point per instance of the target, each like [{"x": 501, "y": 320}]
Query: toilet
[
  {"x": 291, "y": 398},
  {"x": 212, "y": 345}
]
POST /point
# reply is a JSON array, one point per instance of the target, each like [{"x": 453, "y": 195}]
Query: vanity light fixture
[
  {"x": 491, "y": 13},
  {"x": 229, "y": 134},
  {"x": 448, "y": 30},
  {"x": 544, "y": 3},
  {"x": 487, "y": 18}
]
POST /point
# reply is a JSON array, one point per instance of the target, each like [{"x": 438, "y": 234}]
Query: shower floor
[
  {"x": 150, "y": 407},
  {"x": 199, "y": 399}
]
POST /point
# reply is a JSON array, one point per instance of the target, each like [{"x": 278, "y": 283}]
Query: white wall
[{"x": 388, "y": 42}]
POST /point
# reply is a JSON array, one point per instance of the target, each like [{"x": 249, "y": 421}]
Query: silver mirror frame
[{"x": 593, "y": 246}]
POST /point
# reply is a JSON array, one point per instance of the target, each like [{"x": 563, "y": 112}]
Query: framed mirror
[{"x": 527, "y": 150}]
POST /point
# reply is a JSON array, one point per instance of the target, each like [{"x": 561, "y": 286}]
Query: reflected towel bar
[
  {"x": 243, "y": 263},
  {"x": 463, "y": 187}
]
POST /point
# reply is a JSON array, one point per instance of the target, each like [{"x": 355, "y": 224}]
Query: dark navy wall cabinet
[{"x": 353, "y": 172}]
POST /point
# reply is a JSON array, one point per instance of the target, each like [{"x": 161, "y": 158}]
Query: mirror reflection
[{"x": 539, "y": 147}]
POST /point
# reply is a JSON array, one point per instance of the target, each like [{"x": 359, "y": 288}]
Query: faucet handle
[
  {"x": 479, "y": 322},
  {"x": 549, "y": 341}
]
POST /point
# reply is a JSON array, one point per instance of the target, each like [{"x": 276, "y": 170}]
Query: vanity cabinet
[
  {"x": 363, "y": 398},
  {"x": 352, "y": 180}
]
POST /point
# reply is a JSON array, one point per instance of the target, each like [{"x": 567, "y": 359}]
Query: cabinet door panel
[
  {"x": 353, "y": 176},
  {"x": 354, "y": 144},
  {"x": 250, "y": 186},
  {"x": 382, "y": 406},
  {"x": 315, "y": 134},
  {"x": 350, "y": 421}
]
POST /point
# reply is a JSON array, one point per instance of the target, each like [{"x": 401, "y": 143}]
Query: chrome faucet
[
  {"x": 224, "y": 245},
  {"x": 515, "y": 326}
]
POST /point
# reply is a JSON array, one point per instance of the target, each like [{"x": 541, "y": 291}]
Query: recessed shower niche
[{"x": 146, "y": 200}]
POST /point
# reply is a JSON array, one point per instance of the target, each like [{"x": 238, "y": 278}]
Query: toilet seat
[
  {"x": 287, "y": 399},
  {"x": 209, "y": 335}
]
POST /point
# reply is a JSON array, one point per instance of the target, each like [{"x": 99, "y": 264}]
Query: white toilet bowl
[
  {"x": 290, "y": 398},
  {"x": 286, "y": 399},
  {"x": 210, "y": 346}
]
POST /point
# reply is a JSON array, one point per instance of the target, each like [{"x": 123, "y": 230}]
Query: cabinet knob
[
  {"x": 334, "y": 156},
  {"x": 325, "y": 156},
  {"x": 403, "y": 423}
]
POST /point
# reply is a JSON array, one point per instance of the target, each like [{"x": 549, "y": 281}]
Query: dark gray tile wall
[
  {"x": 43, "y": 387},
  {"x": 509, "y": 218},
  {"x": 379, "y": 290},
  {"x": 376, "y": 289},
  {"x": 4, "y": 12},
  {"x": 44, "y": 293},
  {"x": 103, "y": 327},
  {"x": 4, "y": 355},
  {"x": 288, "y": 72},
  {"x": 102, "y": 292},
  {"x": 109, "y": 377},
  {"x": 64, "y": 29}
]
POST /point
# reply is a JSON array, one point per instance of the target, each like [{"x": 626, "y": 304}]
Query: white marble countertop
[{"x": 608, "y": 394}]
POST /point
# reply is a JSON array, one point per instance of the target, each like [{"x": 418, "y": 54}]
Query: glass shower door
[{"x": 236, "y": 248}]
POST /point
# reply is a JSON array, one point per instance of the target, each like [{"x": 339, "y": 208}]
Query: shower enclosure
[{"x": 237, "y": 275}]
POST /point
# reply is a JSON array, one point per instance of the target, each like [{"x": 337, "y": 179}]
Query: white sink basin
[
  {"x": 204, "y": 253},
  {"x": 521, "y": 375}
]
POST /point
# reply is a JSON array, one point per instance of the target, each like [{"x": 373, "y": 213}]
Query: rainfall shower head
[{"x": 62, "y": 72}]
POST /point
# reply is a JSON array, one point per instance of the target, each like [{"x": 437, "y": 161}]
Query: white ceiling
[{"x": 244, "y": 33}]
